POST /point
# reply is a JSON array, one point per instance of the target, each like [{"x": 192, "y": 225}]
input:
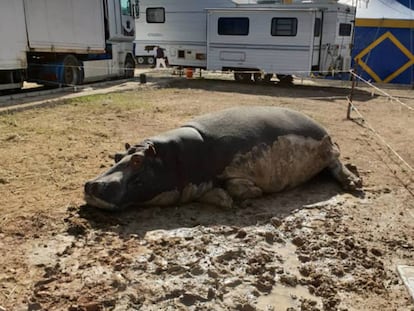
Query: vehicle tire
[
  {"x": 72, "y": 74},
  {"x": 150, "y": 60},
  {"x": 288, "y": 79},
  {"x": 141, "y": 60},
  {"x": 129, "y": 67},
  {"x": 242, "y": 77},
  {"x": 259, "y": 78}
]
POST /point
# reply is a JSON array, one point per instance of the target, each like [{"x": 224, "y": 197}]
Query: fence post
[{"x": 351, "y": 96}]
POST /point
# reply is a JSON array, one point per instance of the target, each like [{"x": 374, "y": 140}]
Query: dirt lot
[{"x": 311, "y": 248}]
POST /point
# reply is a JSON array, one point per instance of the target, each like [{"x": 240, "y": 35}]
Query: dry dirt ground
[{"x": 311, "y": 248}]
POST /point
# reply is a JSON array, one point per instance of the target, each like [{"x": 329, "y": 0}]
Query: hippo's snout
[
  {"x": 103, "y": 190},
  {"x": 91, "y": 187},
  {"x": 102, "y": 194}
]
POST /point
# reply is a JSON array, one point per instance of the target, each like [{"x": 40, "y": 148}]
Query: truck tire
[
  {"x": 150, "y": 60},
  {"x": 129, "y": 67},
  {"x": 141, "y": 60},
  {"x": 242, "y": 77},
  {"x": 72, "y": 74},
  {"x": 259, "y": 78},
  {"x": 287, "y": 79}
]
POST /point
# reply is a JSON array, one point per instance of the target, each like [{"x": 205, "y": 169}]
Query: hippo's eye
[{"x": 136, "y": 160}]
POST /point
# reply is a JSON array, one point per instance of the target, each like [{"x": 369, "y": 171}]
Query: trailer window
[
  {"x": 345, "y": 29},
  {"x": 233, "y": 26},
  {"x": 317, "y": 29},
  {"x": 284, "y": 26},
  {"x": 155, "y": 15}
]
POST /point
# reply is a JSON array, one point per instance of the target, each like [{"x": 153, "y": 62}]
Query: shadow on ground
[
  {"x": 274, "y": 88},
  {"x": 139, "y": 220}
]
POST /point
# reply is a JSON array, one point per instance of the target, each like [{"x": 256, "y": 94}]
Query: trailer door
[
  {"x": 12, "y": 36},
  {"x": 65, "y": 26},
  {"x": 317, "y": 40}
]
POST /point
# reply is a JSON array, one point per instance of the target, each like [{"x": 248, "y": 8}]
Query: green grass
[
  {"x": 119, "y": 101},
  {"x": 73, "y": 111}
]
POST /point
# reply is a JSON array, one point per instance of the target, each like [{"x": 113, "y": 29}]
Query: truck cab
[{"x": 67, "y": 42}]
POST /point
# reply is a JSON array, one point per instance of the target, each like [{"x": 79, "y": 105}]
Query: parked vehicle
[
  {"x": 65, "y": 42},
  {"x": 178, "y": 26},
  {"x": 13, "y": 61},
  {"x": 258, "y": 41},
  {"x": 255, "y": 41}
]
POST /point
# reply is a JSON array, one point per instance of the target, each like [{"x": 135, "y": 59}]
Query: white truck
[
  {"x": 65, "y": 42},
  {"x": 254, "y": 40}
]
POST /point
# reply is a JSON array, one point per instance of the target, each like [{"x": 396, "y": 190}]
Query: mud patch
[{"x": 313, "y": 239}]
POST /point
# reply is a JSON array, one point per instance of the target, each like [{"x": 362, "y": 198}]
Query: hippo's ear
[
  {"x": 150, "y": 151},
  {"x": 127, "y": 146},
  {"x": 118, "y": 157}
]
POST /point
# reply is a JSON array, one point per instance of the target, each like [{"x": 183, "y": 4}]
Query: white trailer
[
  {"x": 13, "y": 46},
  {"x": 68, "y": 42},
  {"x": 257, "y": 41},
  {"x": 178, "y": 26}
]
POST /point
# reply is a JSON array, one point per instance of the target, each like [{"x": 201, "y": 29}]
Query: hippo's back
[{"x": 245, "y": 127}]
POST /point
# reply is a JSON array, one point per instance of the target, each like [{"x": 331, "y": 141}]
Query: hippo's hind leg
[
  {"x": 347, "y": 179},
  {"x": 242, "y": 189}
]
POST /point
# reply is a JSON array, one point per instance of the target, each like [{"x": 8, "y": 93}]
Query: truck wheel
[
  {"x": 259, "y": 78},
  {"x": 151, "y": 60},
  {"x": 140, "y": 60},
  {"x": 288, "y": 79},
  {"x": 71, "y": 71},
  {"x": 242, "y": 77},
  {"x": 129, "y": 67}
]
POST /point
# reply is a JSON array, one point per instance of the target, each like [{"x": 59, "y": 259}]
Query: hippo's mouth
[{"x": 97, "y": 202}]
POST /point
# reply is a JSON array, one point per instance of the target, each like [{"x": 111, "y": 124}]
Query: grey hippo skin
[{"x": 234, "y": 154}]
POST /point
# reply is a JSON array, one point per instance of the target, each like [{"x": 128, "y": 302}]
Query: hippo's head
[{"x": 130, "y": 181}]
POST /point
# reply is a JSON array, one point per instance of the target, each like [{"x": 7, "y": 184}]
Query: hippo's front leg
[
  {"x": 218, "y": 197},
  {"x": 242, "y": 189}
]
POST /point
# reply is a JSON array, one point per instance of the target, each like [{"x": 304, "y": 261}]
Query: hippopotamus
[{"x": 221, "y": 157}]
